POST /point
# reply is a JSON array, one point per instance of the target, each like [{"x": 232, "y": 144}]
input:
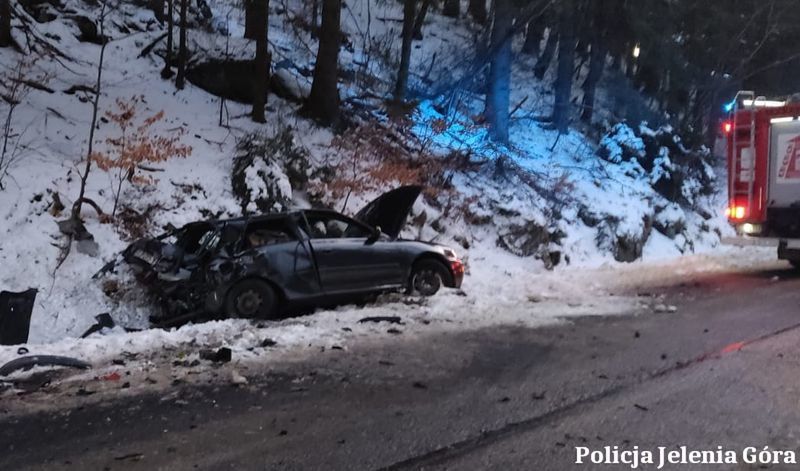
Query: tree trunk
[
  {"x": 546, "y": 57},
  {"x": 180, "y": 80},
  {"x": 477, "y": 9},
  {"x": 158, "y": 9},
  {"x": 533, "y": 36},
  {"x": 251, "y": 16},
  {"x": 409, "y": 17},
  {"x": 420, "y": 21},
  {"x": 566, "y": 67},
  {"x": 261, "y": 77},
  {"x": 597, "y": 64},
  {"x": 499, "y": 86},
  {"x": 5, "y": 23},
  {"x": 314, "y": 18},
  {"x": 166, "y": 72},
  {"x": 451, "y": 8},
  {"x": 323, "y": 102}
]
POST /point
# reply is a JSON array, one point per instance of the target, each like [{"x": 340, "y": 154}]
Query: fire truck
[{"x": 763, "y": 157}]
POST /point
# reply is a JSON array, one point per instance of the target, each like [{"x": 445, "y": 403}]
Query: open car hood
[{"x": 390, "y": 210}]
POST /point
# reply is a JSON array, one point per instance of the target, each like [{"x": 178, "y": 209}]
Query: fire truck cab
[{"x": 763, "y": 157}]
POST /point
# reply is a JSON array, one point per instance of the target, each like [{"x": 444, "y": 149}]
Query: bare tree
[
  {"x": 420, "y": 20},
  {"x": 251, "y": 17},
  {"x": 16, "y": 88},
  {"x": 409, "y": 18},
  {"x": 75, "y": 215},
  {"x": 261, "y": 76},
  {"x": 5, "y": 23},
  {"x": 158, "y": 9},
  {"x": 547, "y": 54},
  {"x": 566, "y": 65},
  {"x": 180, "y": 80},
  {"x": 451, "y": 8},
  {"x": 499, "y": 86},
  {"x": 477, "y": 9},
  {"x": 323, "y": 102},
  {"x": 166, "y": 72}
]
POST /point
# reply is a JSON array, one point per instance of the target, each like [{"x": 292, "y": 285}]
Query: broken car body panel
[{"x": 309, "y": 256}]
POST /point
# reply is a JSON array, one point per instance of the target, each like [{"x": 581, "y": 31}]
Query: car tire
[
  {"x": 251, "y": 299},
  {"x": 427, "y": 277}
]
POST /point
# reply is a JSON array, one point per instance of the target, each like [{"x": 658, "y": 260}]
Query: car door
[{"x": 347, "y": 260}]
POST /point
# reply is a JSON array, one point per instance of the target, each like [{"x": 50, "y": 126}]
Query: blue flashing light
[{"x": 728, "y": 107}]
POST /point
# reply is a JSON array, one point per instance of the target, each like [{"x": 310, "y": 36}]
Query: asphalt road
[{"x": 721, "y": 371}]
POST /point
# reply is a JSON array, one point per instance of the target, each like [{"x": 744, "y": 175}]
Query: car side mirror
[{"x": 376, "y": 234}]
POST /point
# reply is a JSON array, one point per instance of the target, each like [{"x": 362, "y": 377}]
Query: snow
[{"x": 589, "y": 202}]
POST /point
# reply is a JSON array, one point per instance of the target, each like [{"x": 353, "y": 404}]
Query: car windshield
[{"x": 334, "y": 226}]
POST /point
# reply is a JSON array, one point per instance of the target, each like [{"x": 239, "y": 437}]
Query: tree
[
  {"x": 547, "y": 54},
  {"x": 566, "y": 66},
  {"x": 499, "y": 86},
  {"x": 180, "y": 80},
  {"x": 135, "y": 145},
  {"x": 409, "y": 18},
  {"x": 166, "y": 72},
  {"x": 5, "y": 23},
  {"x": 533, "y": 36},
  {"x": 158, "y": 9},
  {"x": 261, "y": 77},
  {"x": 477, "y": 9},
  {"x": 597, "y": 21},
  {"x": 323, "y": 101},
  {"x": 451, "y": 8},
  {"x": 420, "y": 21},
  {"x": 75, "y": 215},
  {"x": 251, "y": 19}
]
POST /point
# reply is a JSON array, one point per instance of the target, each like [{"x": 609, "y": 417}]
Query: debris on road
[
  {"x": 377, "y": 319},
  {"x": 223, "y": 355},
  {"x": 26, "y": 363},
  {"x": 104, "y": 321},
  {"x": 15, "y": 316}
]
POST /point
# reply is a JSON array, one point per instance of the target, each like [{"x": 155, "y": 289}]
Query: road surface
[{"x": 720, "y": 371}]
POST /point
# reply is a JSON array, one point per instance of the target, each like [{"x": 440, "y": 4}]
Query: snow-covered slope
[{"x": 549, "y": 199}]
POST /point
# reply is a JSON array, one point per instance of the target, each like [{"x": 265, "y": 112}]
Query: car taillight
[
  {"x": 735, "y": 212},
  {"x": 457, "y": 266}
]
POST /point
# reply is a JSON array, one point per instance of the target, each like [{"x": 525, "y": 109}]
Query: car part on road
[
  {"x": 15, "y": 316},
  {"x": 26, "y": 363},
  {"x": 104, "y": 321}
]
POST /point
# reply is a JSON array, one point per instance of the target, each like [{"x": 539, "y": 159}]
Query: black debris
[
  {"x": 538, "y": 396},
  {"x": 389, "y": 319},
  {"x": 394, "y": 331},
  {"x": 223, "y": 355},
  {"x": 266, "y": 343},
  {"x": 642, "y": 408},
  {"x": 104, "y": 321},
  {"x": 26, "y": 363},
  {"x": 15, "y": 316},
  {"x": 419, "y": 385}
]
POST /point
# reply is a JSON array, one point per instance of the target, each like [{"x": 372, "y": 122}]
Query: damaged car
[{"x": 253, "y": 267}]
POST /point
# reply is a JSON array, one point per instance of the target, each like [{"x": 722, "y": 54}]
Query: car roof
[{"x": 263, "y": 217}]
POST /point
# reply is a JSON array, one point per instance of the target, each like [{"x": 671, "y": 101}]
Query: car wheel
[
  {"x": 251, "y": 299},
  {"x": 428, "y": 276}
]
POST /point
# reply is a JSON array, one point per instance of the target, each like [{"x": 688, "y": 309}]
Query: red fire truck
[{"x": 763, "y": 152}]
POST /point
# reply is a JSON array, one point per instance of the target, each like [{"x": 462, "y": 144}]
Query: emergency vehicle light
[
  {"x": 727, "y": 126},
  {"x": 764, "y": 103}
]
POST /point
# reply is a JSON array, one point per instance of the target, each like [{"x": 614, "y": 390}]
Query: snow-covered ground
[{"x": 501, "y": 288}]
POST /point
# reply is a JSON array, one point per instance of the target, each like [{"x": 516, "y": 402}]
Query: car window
[
  {"x": 334, "y": 226},
  {"x": 267, "y": 232}
]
